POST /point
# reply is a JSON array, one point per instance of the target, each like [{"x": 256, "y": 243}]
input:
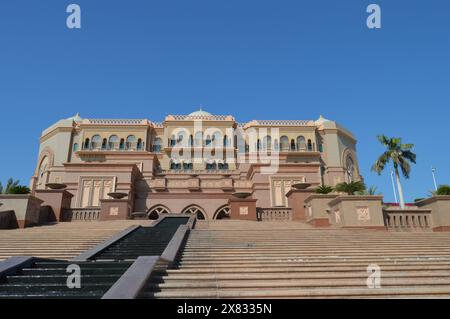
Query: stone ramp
[
  {"x": 60, "y": 241},
  {"x": 252, "y": 260}
]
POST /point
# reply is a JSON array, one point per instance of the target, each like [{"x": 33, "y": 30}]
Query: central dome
[{"x": 200, "y": 113}]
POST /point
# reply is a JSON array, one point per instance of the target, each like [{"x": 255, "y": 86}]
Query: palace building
[{"x": 188, "y": 164}]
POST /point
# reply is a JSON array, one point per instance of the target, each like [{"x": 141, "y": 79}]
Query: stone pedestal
[
  {"x": 57, "y": 199},
  {"x": 317, "y": 209},
  {"x": 440, "y": 211},
  {"x": 242, "y": 208},
  {"x": 357, "y": 211},
  {"x": 115, "y": 209},
  {"x": 296, "y": 201}
]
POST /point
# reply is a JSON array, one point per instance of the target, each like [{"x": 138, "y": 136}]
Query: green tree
[
  {"x": 372, "y": 190},
  {"x": 350, "y": 188},
  {"x": 13, "y": 187},
  {"x": 324, "y": 189},
  {"x": 401, "y": 157},
  {"x": 442, "y": 190}
]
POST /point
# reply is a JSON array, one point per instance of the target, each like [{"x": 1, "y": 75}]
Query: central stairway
[{"x": 227, "y": 259}]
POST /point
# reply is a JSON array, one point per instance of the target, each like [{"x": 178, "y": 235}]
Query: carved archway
[
  {"x": 194, "y": 209},
  {"x": 156, "y": 211},
  {"x": 222, "y": 213}
]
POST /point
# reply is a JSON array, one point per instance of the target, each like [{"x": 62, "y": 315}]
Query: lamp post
[{"x": 433, "y": 171}]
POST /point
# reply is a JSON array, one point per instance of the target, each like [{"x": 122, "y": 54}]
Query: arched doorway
[
  {"x": 222, "y": 213},
  {"x": 193, "y": 209},
  {"x": 156, "y": 211}
]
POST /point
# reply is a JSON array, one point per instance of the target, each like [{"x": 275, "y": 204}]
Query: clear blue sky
[{"x": 254, "y": 59}]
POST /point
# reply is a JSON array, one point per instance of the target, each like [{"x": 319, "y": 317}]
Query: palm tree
[
  {"x": 13, "y": 187},
  {"x": 401, "y": 157},
  {"x": 324, "y": 189},
  {"x": 9, "y": 185},
  {"x": 372, "y": 190},
  {"x": 351, "y": 188}
]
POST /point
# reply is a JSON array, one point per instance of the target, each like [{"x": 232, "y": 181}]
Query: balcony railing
[
  {"x": 82, "y": 214},
  {"x": 113, "y": 147},
  {"x": 279, "y": 214},
  {"x": 408, "y": 220}
]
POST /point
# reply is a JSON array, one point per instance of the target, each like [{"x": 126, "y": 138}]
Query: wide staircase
[
  {"x": 59, "y": 241},
  {"x": 226, "y": 259}
]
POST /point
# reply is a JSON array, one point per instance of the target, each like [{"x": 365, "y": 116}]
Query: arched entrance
[
  {"x": 222, "y": 213},
  {"x": 193, "y": 209},
  {"x": 156, "y": 211}
]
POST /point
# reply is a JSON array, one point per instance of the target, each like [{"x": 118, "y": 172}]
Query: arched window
[
  {"x": 122, "y": 144},
  {"x": 301, "y": 143},
  {"x": 175, "y": 165},
  {"x": 195, "y": 210},
  {"x": 187, "y": 164},
  {"x": 208, "y": 140},
  {"x": 86, "y": 144},
  {"x": 157, "y": 145},
  {"x": 182, "y": 139},
  {"x": 293, "y": 145},
  {"x": 191, "y": 140},
  {"x": 225, "y": 141},
  {"x": 258, "y": 144},
  {"x": 96, "y": 142},
  {"x": 43, "y": 173},
  {"x": 310, "y": 147},
  {"x": 349, "y": 169},
  {"x": 284, "y": 141},
  {"x": 139, "y": 144},
  {"x": 104, "y": 144},
  {"x": 75, "y": 147},
  {"x": 131, "y": 142},
  {"x": 222, "y": 213},
  {"x": 113, "y": 142}
]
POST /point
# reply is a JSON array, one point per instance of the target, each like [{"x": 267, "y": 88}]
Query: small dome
[{"x": 200, "y": 113}]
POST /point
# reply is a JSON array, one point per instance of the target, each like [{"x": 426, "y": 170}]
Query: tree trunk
[{"x": 400, "y": 190}]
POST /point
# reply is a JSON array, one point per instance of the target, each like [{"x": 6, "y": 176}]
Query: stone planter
[
  {"x": 26, "y": 208},
  {"x": 357, "y": 211},
  {"x": 317, "y": 209},
  {"x": 440, "y": 211}
]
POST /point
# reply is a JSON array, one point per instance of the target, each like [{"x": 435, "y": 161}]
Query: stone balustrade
[
  {"x": 283, "y": 214},
  {"x": 83, "y": 214},
  {"x": 408, "y": 219}
]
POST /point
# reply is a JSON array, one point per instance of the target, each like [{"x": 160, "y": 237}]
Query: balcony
[{"x": 113, "y": 147}]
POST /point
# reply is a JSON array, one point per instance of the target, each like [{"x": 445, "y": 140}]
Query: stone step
[
  {"x": 299, "y": 283},
  {"x": 338, "y": 292},
  {"x": 301, "y": 275},
  {"x": 242, "y": 268}
]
